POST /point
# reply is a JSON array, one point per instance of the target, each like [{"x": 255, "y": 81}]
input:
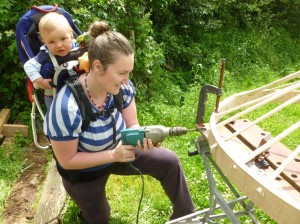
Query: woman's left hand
[{"x": 147, "y": 144}]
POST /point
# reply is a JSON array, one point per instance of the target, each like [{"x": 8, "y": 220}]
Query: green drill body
[{"x": 157, "y": 133}]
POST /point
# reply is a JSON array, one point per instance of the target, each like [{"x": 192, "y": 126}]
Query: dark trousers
[{"x": 160, "y": 163}]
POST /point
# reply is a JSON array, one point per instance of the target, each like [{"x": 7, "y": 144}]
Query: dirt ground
[{"x": 19, "y": 206}]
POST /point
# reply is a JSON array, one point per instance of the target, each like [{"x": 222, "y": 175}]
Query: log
[{"x": 52, "y": 200}]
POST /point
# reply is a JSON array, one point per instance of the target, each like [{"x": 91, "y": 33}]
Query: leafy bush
[
  {"x": 178, "y": 47},
  {"x": 182, "y": 49}
]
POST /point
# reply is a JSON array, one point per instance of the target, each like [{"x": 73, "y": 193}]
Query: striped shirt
[{"x": 63, "y": 121}]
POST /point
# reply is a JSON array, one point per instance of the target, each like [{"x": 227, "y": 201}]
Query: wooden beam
[
  {"x": 4, "y": 115},
  {"x": 10, "y": 129},
  {"x": 52, "y": 200}
]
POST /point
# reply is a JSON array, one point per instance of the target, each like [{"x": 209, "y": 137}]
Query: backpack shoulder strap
[
  {"x": 82, "y": 101},
  {"x": 119, "y": 102},
  {"x": 57, "y": 70}
]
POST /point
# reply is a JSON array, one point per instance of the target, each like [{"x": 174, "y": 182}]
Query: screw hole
[{"x": 294, "y": 175}]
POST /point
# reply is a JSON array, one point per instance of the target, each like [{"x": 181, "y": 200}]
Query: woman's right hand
[{"x": 123, "y": 153}]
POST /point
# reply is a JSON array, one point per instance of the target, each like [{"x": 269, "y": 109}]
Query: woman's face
[{"x": 116, "y": 74}]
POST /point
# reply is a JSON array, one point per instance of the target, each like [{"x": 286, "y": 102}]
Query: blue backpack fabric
[
  {"x": 28, "y": 40},
  {"x": 27, "y": 33},
  {"x": 29, "y": 43}
]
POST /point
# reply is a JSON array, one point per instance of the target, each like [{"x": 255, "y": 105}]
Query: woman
[{"x": 86, "y": 159}]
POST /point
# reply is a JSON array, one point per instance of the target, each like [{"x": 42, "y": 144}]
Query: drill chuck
[{"x": 177, "y": 131}]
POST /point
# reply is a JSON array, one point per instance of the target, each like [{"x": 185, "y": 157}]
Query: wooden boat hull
[{"x": 235, "y": 143}]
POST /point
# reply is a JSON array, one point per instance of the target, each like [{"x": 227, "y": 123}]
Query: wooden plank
[
  {"x": 4, "y": 115},
  {"x": 287, "y": 96},
  {"x": 274, "y": 200},
  {"x": 10, "y": 129},
  {"x": 52, "y": 200},
  {"x": 277, "y": 153}
]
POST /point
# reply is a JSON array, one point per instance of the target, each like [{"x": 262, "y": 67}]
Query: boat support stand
[{"x": 217, "y": 202}]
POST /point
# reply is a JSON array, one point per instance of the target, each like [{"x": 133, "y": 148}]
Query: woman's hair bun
[{"x": 97, "y": 28}]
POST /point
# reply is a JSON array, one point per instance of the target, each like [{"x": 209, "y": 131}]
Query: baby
[{"x": 57, "y": 36}]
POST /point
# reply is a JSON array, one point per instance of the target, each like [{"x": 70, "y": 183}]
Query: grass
[
  {"x": 124, "y": 192},
  {"x": 12, "y": 159}
]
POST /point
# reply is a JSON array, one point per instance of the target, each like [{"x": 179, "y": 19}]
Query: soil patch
[{"x": 19, "y": 206}]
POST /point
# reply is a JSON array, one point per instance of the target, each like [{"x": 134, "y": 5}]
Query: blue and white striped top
[{"x": 63, "y": 121}]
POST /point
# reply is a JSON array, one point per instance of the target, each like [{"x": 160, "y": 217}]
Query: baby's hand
[{"x": 43, "y": 83}]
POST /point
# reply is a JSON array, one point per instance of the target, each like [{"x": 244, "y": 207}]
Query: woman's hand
[
  {"x": 123, "y": 153},
  {"x": 147, "y": 144}
]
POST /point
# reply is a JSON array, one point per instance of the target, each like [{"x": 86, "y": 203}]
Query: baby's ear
[{"x": 40, "y": 37}]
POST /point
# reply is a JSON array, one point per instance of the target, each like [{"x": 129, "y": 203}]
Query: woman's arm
[
  {"x": 66, "y": 152},
  {"x": 130, "y": 115}
]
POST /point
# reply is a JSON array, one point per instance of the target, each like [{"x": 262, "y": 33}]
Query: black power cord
[{"x": 142, "y": 194}]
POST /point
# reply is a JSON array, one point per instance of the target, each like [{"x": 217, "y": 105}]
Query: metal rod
[{"x": 220, "y": 84}]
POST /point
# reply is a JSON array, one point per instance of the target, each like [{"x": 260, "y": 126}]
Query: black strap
[
  {"x": 82, "y": 101},
  {"x": 119, "y": 100},
  {"x": 110, "y": 111},
  {"x": 84, "y": 105},
  {"x": 113, "y": 121}
]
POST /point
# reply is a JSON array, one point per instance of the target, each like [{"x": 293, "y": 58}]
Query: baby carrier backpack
[{"x": 28, "y": 44}]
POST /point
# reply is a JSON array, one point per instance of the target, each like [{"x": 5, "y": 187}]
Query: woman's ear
[{"x": 97, "y": 66}]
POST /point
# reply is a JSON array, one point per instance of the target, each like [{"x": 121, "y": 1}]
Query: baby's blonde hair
[{"x": 51, "y": 21}]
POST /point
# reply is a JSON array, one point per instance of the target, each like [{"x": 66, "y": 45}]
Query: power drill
[{"x": 156, "y": 133}]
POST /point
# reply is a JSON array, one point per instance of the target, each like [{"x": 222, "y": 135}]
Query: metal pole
[{"x": 220, "y": 84}]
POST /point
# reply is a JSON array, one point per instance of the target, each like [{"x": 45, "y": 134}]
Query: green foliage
[
  {"x": 190, "y": 41},
  {"x": 196, "y": 34},
  {"x": 178, "y": 46},
  {"x": 9, "y": 66}
]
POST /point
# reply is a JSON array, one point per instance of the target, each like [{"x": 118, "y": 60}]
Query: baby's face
[{"x": 59, "y": 41}]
